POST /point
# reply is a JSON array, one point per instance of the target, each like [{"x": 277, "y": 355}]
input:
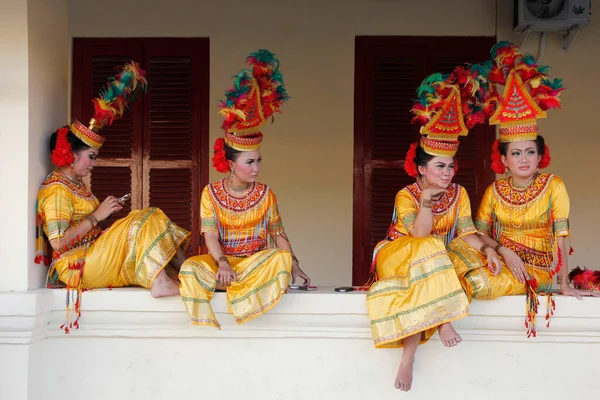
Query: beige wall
[
  {"x": 33, "y": 98},
  {"x": 309, "y": 151},
  {"x": 49, "y": 55},
  {"x": 13, "y": 136}
]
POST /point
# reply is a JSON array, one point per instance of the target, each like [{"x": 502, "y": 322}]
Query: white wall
[
  {"x": 308, "y": 152},
  {"x": 33, "y": 100},
  {"x": 49, "y": 55},
  {"x": 15, "y": 200}
]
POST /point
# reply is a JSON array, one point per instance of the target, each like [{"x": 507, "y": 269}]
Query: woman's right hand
[
  {"x": 515, "y": 264},
  {"x": 109, "y": 206},
  {"x": 225, "y": 274},
  {"x": 433, "y": 192}
]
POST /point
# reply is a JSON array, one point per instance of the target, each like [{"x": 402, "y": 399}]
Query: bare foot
[
  {"x": 448, "y": 335},
  {"x": 164, "y": 286},
  {"x": 404, "y": 377}
]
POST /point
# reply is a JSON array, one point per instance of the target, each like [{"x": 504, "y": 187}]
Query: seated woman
[
  {"x": 417, "y": 291},
  {"x": 238, "y": 213},
  {"x": 525, "y": 217},
  {"x": 135, "y": 250}
]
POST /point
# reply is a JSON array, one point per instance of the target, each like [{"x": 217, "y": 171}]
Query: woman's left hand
[
  {"x": 494, "y": 262},
  {"x": 298, "y": 273},
  {"x": 567, "y": 290}
]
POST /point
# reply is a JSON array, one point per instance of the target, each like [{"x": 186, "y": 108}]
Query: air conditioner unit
[{"x": 551, "y": 15}]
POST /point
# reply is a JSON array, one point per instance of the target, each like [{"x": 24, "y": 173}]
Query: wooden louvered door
[
  {"x": 388, "y": 71},
  {"x": 159, "y": 150},
  {"x": 118, "y": 168},
  {"x": 175, "y": 111}
]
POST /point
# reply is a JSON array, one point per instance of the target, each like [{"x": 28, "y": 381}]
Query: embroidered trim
[
  {"x": 465, "y": 226},
  {"x": 511, "y": 195},
  {"x": 228, "y": 201},
  {"x": 441, "y": 206},
  {"x": 56, "y": 178},
  {"x": 561, "y": 226}
]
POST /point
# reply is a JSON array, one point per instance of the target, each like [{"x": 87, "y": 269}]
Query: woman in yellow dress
[
  {"x": 525, "y": 216},
  {"x": 135, "y": 250},
  {"x": 417, "y": 291},
  {"x": 240, "y": 215}
]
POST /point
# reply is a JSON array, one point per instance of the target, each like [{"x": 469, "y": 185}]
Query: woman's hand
[
  {"x": 433, "y": 192},
  {"x": 225, "y": 274},
  {"x": 567, "y": 290},
  {"x": 494, "y": 262},
  {"x": 108, "y": 207},
  {"x": 515, "y": 264},
  {"x": 298, "y": 273}
]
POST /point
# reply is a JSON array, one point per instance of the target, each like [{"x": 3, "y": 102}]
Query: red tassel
[
  {"x": 571, "y": 250},
  {"x": 532, "y": 303}
]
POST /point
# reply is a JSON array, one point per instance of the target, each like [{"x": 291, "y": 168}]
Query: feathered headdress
[
  {"x": 528, "y": 93},
  {"x": 448, "y": 106},
  {"x": 119, "y": 91},
  {"x": 258, "y": 92},
  {"x": 585, "y": 279}
]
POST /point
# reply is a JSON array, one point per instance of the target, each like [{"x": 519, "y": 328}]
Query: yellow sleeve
[
  {"x": 465, "y": 224},
  {"x": 406, "y": 212},
  {"x": 208, "y": 217},
  {"x": 274, "y": 223},
  {"x": 560, "y": 207},
  {"x": 55, "y": 208},
  {"x": 484, "y": 219}
]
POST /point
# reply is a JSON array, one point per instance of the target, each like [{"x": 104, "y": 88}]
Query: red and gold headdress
[
  {"x": 585, "y": 279},
  {"x": 119, "y": 91},
  {"x": 449, "y": 105},
  {"x": 528, "y": 93},
  {"x": 257, "y": 94}
]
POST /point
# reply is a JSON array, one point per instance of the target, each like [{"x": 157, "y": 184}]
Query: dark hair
[
  {"x": 540, "y": 145},
  {"x": 422, "y": 158},
  {"x": 76, "y": 143},
  {"x": 231, "y": 154}
]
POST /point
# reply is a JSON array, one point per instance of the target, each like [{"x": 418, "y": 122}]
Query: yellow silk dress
[
  {"x": 417, "y": 289},
  {"x": 131, "y": 252},
  {"x": 528, "y": 221},
  {"x": 243, "y": 225}
]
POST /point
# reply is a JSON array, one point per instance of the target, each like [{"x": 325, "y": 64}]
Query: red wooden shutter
[
  {"x": 159, "y": 150},
  {"x": 175, "y": 159},
  {"x": 388, "y": 71},
  {"x": 118, "y": 169}
]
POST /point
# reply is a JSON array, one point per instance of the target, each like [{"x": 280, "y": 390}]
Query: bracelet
[
  {"x": 222, "y": 259},
  {"x": 497, "y": 248},
  {"x": 484, "y": 247},
  {"x": 426, "y": 203},
  {"x": 92, "y": 219}
]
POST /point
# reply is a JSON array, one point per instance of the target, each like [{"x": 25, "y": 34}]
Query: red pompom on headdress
[
  {"x": 410, "y": 166},
  {"x": 545, "y": 161},
  {"x": 219, "y": 160},
  {"x": 62, "y": 155},
  {"x": 497, "y": 164}
]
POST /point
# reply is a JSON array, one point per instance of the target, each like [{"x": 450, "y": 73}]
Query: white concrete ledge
[
  {"x": 131, "y": 312},
  {"x": 312, "y": 345}
]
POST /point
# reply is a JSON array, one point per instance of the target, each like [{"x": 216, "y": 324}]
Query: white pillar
[{"x": 34, "y": 39}]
